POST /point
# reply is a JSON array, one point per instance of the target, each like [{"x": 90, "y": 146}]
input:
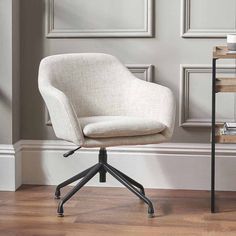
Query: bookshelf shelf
[
  {"x": 225, "y": 85},
  {"x": 219, "y": 138},
  {"x": 221, "y": 52}
]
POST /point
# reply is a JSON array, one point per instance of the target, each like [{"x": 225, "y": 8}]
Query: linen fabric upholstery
[
  {"x": 75, "y": 86},
  {"x": 119, "y": 126}
]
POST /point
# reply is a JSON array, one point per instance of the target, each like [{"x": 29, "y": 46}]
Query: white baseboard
[
  {"x": 10, "y": 168},
  {"x": 166, "y": 166}
]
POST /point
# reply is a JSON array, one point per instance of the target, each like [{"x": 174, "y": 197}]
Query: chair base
[{"x": 102, "y": 168}]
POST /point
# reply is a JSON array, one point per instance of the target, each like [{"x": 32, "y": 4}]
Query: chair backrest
[{"x": 95, "y": 83}]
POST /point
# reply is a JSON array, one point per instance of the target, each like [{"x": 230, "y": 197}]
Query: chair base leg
[
  {"x": 93, "y": 171},
  {"x": 102, "y": 168},
  {"x": 69, "y": 181},
  {"x": 130, "y": 180},
  {"x": 127, "y": 184}
]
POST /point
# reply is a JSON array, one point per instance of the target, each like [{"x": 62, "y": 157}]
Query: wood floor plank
[{"x": 31, "y": 211}]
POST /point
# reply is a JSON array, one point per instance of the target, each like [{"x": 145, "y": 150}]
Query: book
[
  {"x": 229, "y": 132},
  {"x": 231, "y": 52},
  {"x": 229, "y": 128},
  {"x": 230, "y": 125}
]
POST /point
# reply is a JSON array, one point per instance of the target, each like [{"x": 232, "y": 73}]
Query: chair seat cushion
[{"x": 119, "y": 126}]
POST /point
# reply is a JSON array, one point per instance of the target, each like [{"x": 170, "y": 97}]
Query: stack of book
[{"x": 229, "y": 128}]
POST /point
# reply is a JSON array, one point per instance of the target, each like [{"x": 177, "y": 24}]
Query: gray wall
[
  {"x": 167, "y": 50},
  {"x": 16, "y": 70},
  {"x": 9, "y": 71},
  {"x": 5, "y": 72}
]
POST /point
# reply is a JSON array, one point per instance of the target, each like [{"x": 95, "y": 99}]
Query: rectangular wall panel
[
  {"x": 142, "y": 71},
  {"x": 103, "y": 18},
  {"x": 195, "y": 96},
  {"x": 208, "y": 18}
]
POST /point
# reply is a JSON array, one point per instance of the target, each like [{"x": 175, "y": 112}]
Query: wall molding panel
[
  {"x": 146, "y": 31},
  {"x": 185, "y": 92},
  {"x": 146, "y": 71},
  {"x": 188, "y": 32}
]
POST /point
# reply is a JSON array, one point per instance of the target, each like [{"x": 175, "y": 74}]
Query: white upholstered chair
[{"x": 94, "y": 101}]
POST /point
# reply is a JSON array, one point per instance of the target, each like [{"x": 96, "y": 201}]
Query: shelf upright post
[{"x": 213, "y": 122}]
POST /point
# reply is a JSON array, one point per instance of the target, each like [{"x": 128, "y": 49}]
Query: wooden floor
[{"x": 115, "y": 211}]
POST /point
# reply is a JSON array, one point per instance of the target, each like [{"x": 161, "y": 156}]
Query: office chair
[{"x": 95, "y": 101}]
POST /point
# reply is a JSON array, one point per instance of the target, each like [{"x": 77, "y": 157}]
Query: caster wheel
[
  {"x": 60, "y": 215},
  {"x": 151, "y": 212},
  {"x": 60, "y": 210},
  {"x": 151, "y": 215}
]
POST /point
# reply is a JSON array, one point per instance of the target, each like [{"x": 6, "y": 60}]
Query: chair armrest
[
  {"x": 63, "y": 116},
  {"x": 153, "y": 101}
]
